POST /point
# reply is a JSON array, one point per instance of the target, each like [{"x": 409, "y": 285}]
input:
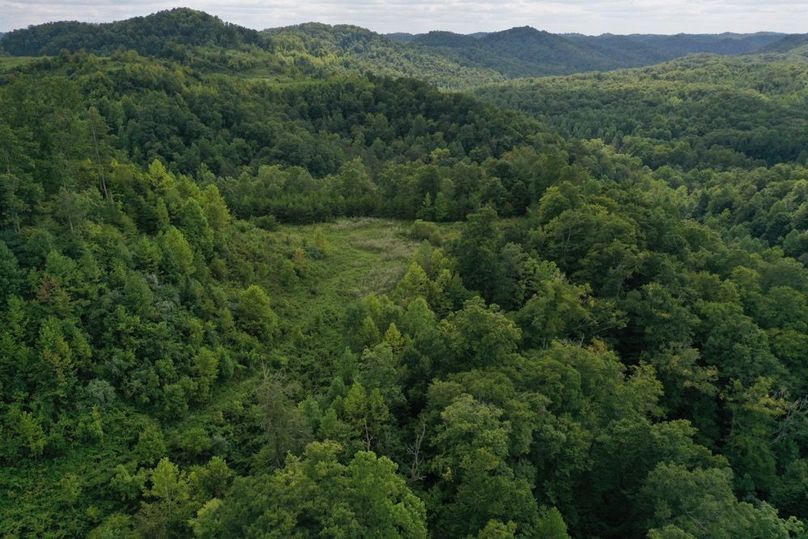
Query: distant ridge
[
  {"x": 788, "y": 43},
  {"x": 443, "y": 58},
  {"x": 357, "y": 48},
  {"x": 526, "y": 51},
  {"x": 153, "y": 34}
]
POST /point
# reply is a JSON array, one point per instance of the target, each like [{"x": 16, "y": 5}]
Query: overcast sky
[{"x": 585, "y": 16}]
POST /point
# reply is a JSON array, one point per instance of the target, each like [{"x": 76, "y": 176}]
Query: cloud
[{"x": 586, "y": 16}]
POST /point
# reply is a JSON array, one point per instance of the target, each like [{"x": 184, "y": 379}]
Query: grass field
[
  {"x": 364, "y": 256},
  {"x": 8, "y": 63}
]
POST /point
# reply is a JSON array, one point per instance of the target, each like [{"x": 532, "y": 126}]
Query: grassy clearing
[
  {"x": 364, "y": 256},
  {"x": 7, "y": 63}
]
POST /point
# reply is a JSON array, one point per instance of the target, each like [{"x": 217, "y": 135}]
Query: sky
[{"x": 464, "y": 16}]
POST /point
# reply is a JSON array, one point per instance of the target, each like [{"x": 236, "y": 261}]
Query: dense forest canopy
[
  {"x": 444, "y": 59},
  {"x": 521, "y": 52},
  {"x": 254, "y": 285},
  {"x": 697, "y": 112},
  {"x": 155, "y": 34}
]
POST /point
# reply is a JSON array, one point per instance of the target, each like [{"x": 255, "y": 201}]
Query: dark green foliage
[
  {"x": 692, "y": 113},
  {"x": 161, "y": 34},
  {"x": 350, "y": 48},
  {"x": 444, "y": 59},
  {"x": 527, "y": 52}
]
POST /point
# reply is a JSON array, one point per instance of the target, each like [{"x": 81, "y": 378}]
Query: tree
[
  {"x": 99, "y": 131},
  {"x": 10, "y": 275},
  {"x": 477, "y": 252},
  {"x": 317, "y": 494},
  {"x": 558, "y": 309},
  {"x": 255, "y": 315},
  {"x": 471, "y": 445},
  {"x": 177, "y": 255},
  {"x": 700, "y": 502},
  {"x": 356, "y": 188},
  {"x": 284, "y": 429},
  {"x": 479, "y": 335},
  {"x": 367, "y": 415},
  {"x": 167, "y": 516}
]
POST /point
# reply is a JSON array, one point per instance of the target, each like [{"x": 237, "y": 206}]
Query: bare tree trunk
[
  {"x": 368, "y": 437},
  {"x": 98, "y": 163},
  {"x": 415, "y": 451}
]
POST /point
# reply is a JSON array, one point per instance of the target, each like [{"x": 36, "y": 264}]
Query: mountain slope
[
  {"x": 672, "y": 46},
  {"x": 692, "y": 112},
  {"x": 788, "y": 43},
  {"x": 357, "y": 49},
  {"x": 516, "y": 52},
  {"x": 525, "y": 51},
  {"x": 154, "y": 34},
  {"x": 622, "y": 50}
]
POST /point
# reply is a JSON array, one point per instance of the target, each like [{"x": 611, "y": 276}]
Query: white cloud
[{"x": 587, "y": 16}]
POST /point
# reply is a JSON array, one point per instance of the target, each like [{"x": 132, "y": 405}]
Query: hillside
[
  {"x": 155, "y": 35},
  {"x": 525, "y": 52},
  {"x": 724, "y": 44},
  {"x": 515, "y": 53},
  {"x": 445, "y": 59},
  {"x": 355, "y": 49},
  {"x": 788, "y": 44},
  {"x": 692, "y": 112}
]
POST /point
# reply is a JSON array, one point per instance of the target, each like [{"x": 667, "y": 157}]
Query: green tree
[
  {"x": 317, "y": 494},
  {"x": 168, "y": 514},
  {"x": 255, "y": 315}
]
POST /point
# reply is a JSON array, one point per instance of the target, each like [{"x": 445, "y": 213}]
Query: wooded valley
[{"x": 320, "y": 282}]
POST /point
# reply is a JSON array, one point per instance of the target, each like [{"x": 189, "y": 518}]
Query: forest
[{"x": 253, "y": 284}]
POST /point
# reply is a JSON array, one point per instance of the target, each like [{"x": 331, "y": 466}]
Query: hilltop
[
  {"x": 444, "y": 59},
  {"x": 154, "y": 34}
]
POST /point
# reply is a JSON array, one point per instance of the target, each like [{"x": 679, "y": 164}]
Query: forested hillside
[
  {"x": 444, "y": 59},
  {"x": 355, "y": 49},
  {"x": 701, "y": 111},
  {"x": 517, "y": 52},
  {"x": 255, "y": 289},
  {"x": 526, "y": 52},
  {"x": 156, "y": 34}
]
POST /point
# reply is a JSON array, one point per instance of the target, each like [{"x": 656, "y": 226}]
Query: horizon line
[{"x": 401, "y": 32}]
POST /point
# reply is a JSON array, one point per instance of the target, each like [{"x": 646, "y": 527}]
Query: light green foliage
[
  {"x": 255, "y": 314},
  {"x": 701, "y": 502},
  {"x": 317, "y": 494},
  {"x": 167, "y": 514},
  {"x": 177, "y": 255}
]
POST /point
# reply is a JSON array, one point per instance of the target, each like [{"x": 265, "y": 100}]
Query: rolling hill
[
  {"x": 154, "y": 34},
  {"x": 698, "y": 111},
  {"x": 250, "y": 288},
  {"x": 526, "y": 52},
  {"x": 444, "y": 59},
  {"x": 789, "y": 44},
  {"x": 517, "y": 52},
  {"x": 353, "y": 48}
]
